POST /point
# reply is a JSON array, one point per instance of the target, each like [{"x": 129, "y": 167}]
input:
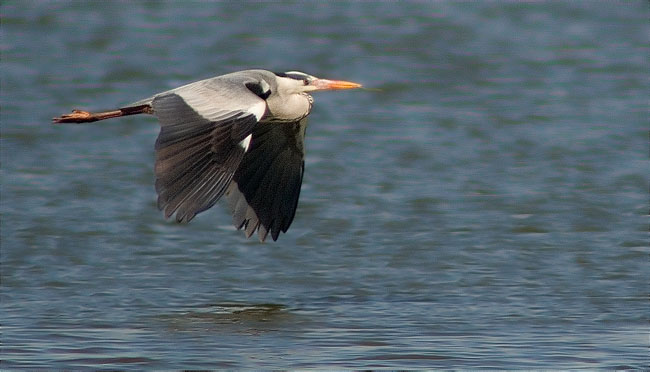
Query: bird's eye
[{"x": 305, "y": 81}]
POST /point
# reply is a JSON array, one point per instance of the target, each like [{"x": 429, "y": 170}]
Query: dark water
[{"x": 484, "y": 207}]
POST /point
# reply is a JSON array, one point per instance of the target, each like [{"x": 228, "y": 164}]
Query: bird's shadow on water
[{"x": 229, "y": 317}]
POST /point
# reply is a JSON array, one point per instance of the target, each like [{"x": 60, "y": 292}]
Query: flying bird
[{"x": 240, "y": 135}]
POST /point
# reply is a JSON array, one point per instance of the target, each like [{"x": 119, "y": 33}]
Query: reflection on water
[{"x": 228, "y": 317}]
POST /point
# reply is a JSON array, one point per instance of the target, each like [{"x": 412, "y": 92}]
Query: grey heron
[{"x": 240, "y": 135}]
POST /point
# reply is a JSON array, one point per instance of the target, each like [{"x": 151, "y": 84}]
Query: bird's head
[{"x": 300, "y": 82}]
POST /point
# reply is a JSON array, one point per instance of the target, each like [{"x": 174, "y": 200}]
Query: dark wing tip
[{"x": 264, "y": 193}]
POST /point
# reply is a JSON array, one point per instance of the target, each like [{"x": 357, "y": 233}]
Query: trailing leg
[{"x": 78, "y": 116}]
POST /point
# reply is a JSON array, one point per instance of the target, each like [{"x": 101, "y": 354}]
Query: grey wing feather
[
  {"x": 264, "y": 192},
  {"x": 213, "y": 97},
  {"x": 196, "y": 156}
]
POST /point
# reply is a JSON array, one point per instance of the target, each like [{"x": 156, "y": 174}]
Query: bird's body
[{"x": 239, "y": 135}]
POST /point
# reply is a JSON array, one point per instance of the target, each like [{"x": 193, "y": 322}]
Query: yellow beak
[{"x": 324, "y": 84}]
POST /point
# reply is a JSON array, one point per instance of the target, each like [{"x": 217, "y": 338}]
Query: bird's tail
[{"x": 78, "y": 116}]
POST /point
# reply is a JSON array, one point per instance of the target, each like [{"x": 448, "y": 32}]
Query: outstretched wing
[
  {"x": 206, "y": 129},
  {"x": 264, "y": 191}
]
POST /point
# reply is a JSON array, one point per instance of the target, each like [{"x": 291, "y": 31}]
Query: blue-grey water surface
[{"x": 483, "y": 205}]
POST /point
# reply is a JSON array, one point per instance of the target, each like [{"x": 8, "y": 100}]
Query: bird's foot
[{"x": 77, "y": 116}]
